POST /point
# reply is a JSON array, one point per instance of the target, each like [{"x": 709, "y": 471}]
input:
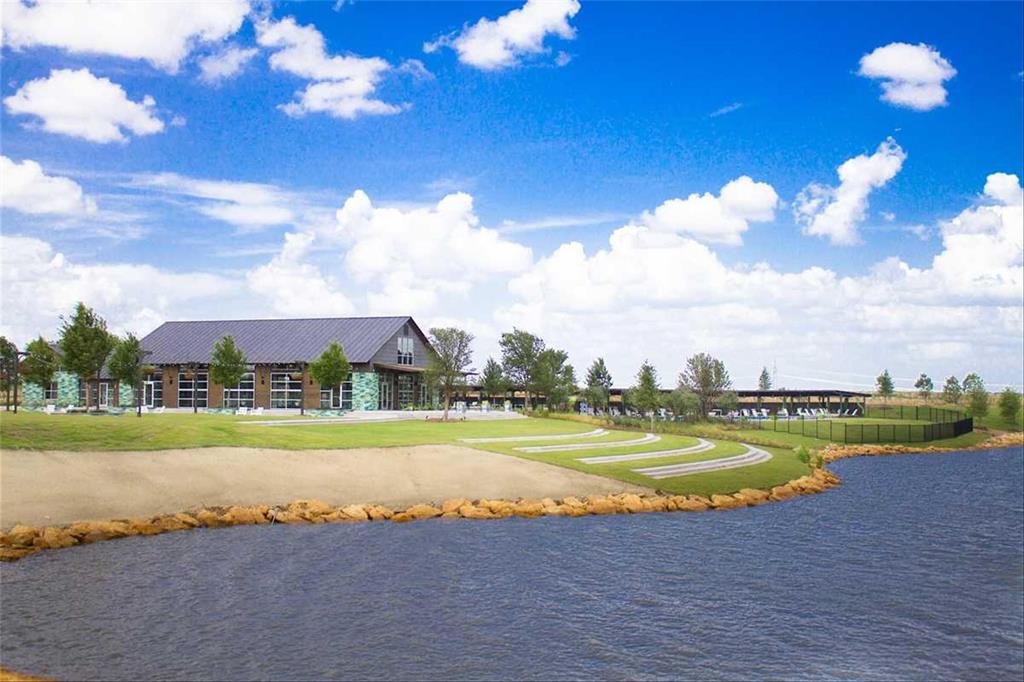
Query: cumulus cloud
[
  {"x": 966, "y": 309},
  {"x": 39, "y": 284},
  {"x": 78, "y": 104},
  {"x": 162, "y": 33},
  {"x": 294, "y": 287},
  {"x": 719, "y": 219},
  {"x": 493, "y": 44},
  {"x": 835, "y": 212},
  {"x": 912, "y": 75},
  {"x": 225, "y": 64},
  {"x": 342, "y": 86},
  {"x": 24, "y": 187},
  {"x": 246, "y": 205}
]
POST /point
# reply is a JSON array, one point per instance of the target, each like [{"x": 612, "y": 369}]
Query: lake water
[{"x": 913, "y": 569}]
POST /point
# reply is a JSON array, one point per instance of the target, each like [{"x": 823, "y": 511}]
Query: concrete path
[
  {"x": 751, "y": 456},
  {"x": 648, "y": 438},
  {"x": 702, "y": 446},
  {"x": 559, "y": 436}
]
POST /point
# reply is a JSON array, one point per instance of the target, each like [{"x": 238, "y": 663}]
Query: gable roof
[{"x": 273, "y": 341}]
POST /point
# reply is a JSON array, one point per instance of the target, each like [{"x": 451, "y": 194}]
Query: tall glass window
[
  {"x": 242, "y": 395},
  {"x": 404, "y": 391},
  {"x": 405, "y": 350},
  {"x": 337, "y": 398},
  {"x": 192, "y": 392},
  {"x": 153, "y": 390},
  {"x": 285, "y": 390}
]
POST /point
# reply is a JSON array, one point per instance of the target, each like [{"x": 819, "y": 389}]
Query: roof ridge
[{"x": 292, "y": 319}]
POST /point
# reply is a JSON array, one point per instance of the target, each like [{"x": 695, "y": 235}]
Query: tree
[
  {"x": 126, "y": 366},
  {"x": 728, "y": 401},
  {"x": 884, "y": 385},
  {"x": 40, "y": 364},
  {"x": 706, "y": 377},
  {"x": 952, "y": 391},
  {"x": 553, "y": 377},
  {"x": 8, "y": 367},
  {"x": 764, "y": 382},
  {"x": 977, "y": 395},
  {"x": 227, "y": 365},
  {"x": 519, "y": 352},
  {"x": 85, "y": 345},
  {"x": 646, "y": 395},
  {"x": 331, "y": 368},
  {"x": 971, "y": 382},
  {"x": 683, "y": 403},
  {"x": 452, "y": 354},
  {"x": 599, "y": 385},
  {"x": 924, "y": 385},
  {"x": 1009, "y": 405},
  {"x": 492, "y": 381}
]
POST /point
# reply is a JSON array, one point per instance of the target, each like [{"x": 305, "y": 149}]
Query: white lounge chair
[
  {"x": 764, "y": 413},
  {"x": 257, "y": 411},
  {"x": 50, "y": 409},
  {"x": 243, "y": 411},
  {"x": 159, "y": 410}
]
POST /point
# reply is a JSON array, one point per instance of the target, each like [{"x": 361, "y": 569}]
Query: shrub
[{"x": 1009, "y": 405}]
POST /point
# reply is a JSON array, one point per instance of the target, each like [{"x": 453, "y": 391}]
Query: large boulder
[
  {"x": 471, "y": 511},
  {"x": 144, "y": 527},
  {"x": 21, "y": 536},
  {"x": 209, "y": 518},
  {"x": 691, "y": 504},
  {"x": 417, "y": 512},
  {"x": 377, "y": 512},
  {"x": 753, "y": 496},
  {"x": 98, "y": 531},
  {"x": 290, "y": 518},
  {"x": 242, "y": 516},
  {"x": 167, "y": 524},
  {"x": 528, "y": 508},
  {"x": 311, "y": 510},
  {"x": 725, "y": 502},
  {"x": 782, "y": 492},
  {"x": 453, "y": 504},
  {"x": 8, "y": 553},
  {"x": 601, "y": 505},
  {"x": 631, "y": 503},
  {"x": 355, "y": 512},
  {"x": 55, "y": 538}
]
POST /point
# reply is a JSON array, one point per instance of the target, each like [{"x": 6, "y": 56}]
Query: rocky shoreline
[{"x": 21, "y": 541}]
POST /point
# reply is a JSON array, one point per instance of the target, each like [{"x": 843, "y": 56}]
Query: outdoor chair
[
  {"x": 242, "y": 411},
  {"x": 50, "y": 409}
]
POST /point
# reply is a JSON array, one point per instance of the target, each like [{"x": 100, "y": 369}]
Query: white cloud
[
  {"x": 912, "y": 75},
  {"x": 225, "y": 64},
  {"x": 39, "y": 284},
  {"x": 162, "y": 33},
  {"x": 722, "y": 219},
  {"x": 297, "y": 288},
  {"x": 27, "y": 189},
  {"x": 501, "y": 43},
  {"x": 78, "y": 104},
  {"x": 342, "y": 85},
  {"x": 727, "y": 109},
  {"x": 247, "y": 205},
  {"x": 416, "y": 69},
  {"x": 835, "y": 212},
  {"x": 963, "y": 313}
]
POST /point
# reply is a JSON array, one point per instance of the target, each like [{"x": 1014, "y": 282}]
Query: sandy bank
[{"x": 56, "y": 487}]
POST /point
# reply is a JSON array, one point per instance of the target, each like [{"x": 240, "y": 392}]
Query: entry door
[
  {"x": 104, "y": 395},
  {"x": 385, "y": 393},
  {"x": 149, "y": 393}
]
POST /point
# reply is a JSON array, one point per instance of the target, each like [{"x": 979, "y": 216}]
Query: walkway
[
  {"x": 751, "y": 456},
  {"x": 702, "y": 446},
  {"x": 647, "y": 438}
]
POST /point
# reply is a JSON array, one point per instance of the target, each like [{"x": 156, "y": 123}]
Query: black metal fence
[
  {"x": 849, "y": 431},
  {"x": 914, "y": 412}
]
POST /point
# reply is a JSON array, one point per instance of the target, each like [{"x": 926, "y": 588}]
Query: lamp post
[{"x": 138, "y": 384}]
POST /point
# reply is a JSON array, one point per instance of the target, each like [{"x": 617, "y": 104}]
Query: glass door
[
  {"x": 104, "y": 395},
  {"x": 385, "y": 393},
  {"x": 149, "y": 393}
]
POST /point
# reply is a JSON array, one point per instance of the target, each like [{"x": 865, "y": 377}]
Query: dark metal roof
[{"x": 273, "y": 341}]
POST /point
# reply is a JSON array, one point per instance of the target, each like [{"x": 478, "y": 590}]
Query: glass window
[
  {"x": 192, "y": 386},
  {"x": 50, "y": 392},
  {"x": 242, "y": 395},
  {"x": 337, "y": 398},
  {"x": 405, "y": 350},
  {"x": 285, "y": 391},
  {"x": 404, "y": 391}
]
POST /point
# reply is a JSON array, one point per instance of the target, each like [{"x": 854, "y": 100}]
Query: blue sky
[{"x": 631, "y": 106}]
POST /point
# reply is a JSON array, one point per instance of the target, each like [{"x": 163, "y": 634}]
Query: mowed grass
[
  {"x": 37, "y": 431},
  {"x": 784, "y": 465}
]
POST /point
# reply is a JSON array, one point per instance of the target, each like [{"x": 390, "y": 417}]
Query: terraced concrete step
[
  {"x": 515, "y": 439},
  {"x": 648, "y": 438},
  {"x": 751, "y": 456},
  {"x": 702, "y": 446}
]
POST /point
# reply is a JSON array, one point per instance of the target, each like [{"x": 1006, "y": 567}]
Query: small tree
[
  {"x": 728, "y": 400},
  {"x": 977, "y": 396},
  {"x": 764, "y": 382},
  {"x": 1009, "y": 406},
  {"x": 553, "y": 377},
  {"x": 8, "y": 367},
  {"x": 227, "y": 365},
  {"x": 924, "y": 386},
  {"x": 646, "y": 394},
  {"x": 884, "y": 385},
  {"x": 493, "y": 381},
  {"x": 706, "y": 377},
  {"x": 519, "y": 353},
  {"x": 683, "y": 403},
  {"x": 85, "y": 345},
  {"x": 451, "y": 356},
  {"x": 126, "y": 366},
  {"x": 40, "y": 364},
  {"x": 952, "y": 391},
  {"x": 599, "y": 384},
  {"x": 331, "y": 368}
]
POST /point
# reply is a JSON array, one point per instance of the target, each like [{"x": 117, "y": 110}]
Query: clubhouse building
[{"x": 388, "y": 357}]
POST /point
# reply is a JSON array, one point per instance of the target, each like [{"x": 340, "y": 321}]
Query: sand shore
[{"x": 56, "y": 487}]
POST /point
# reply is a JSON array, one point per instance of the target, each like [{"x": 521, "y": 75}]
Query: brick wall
[
  {"x": 262, "y": 386},
  {"x": 310, "y": 391},
  {"x": 170, "y": 385}
]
